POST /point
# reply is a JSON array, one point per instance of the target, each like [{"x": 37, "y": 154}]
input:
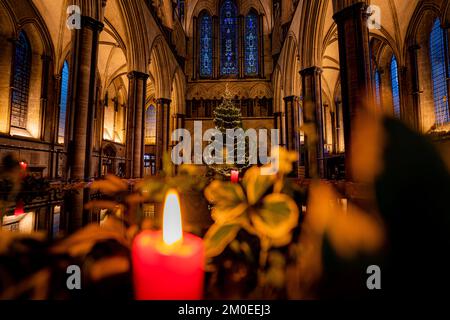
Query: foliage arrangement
[{"x": 250, "y": 220}]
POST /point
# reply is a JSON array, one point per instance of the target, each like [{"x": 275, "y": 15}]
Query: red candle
[
  {"x": 23, "y": 165},
  {"x": 234, "y": 176},
  {"x": 19, "y": 208},
  {"x": 168, "y": 265}
]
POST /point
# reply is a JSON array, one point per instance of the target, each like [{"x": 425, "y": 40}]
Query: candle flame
[{"x": 172, "y": 229}]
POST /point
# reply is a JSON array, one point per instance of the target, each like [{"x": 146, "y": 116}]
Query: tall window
[
  {"x": 251, "y": 44},
  {"x": 206, "y": 46},
  {"x": 21, "y": 82},
  {"x": 395, "y": 87},
  {"x": 150, "y": 125},
  {"x": 63, "y": 102},
  {"x": 228, "y": 38},
  {"x": 378, "y": 88},
  {"x": 439, "y": 73}
]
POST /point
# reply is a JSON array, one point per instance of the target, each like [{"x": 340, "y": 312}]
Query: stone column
[
  {"x": 82, "y": 102},
  {"x": 416, "y": 92},
  {"x": 292, "y": 125},
  {"x": 195, "y": 42},
  {"x": 216, "y": 55},
  {"x": 45, "y": 131},
  {"x": 162, "y": 130},
  {"x": 279, "y": 124},
  {"x": 83, "y": 77},
  {"x": 261, "y": 45},
  {"x": 354, "y": 57},
  {"x": 312, "y": 120},
  {"x": 136, "y": 124}
]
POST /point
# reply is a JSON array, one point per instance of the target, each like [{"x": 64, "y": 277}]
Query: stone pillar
[
  {"x": 195, "y": 42},
  {"x": 216, "y": 55},
  {"x": 136, "y": 124},
  {"x": 279, "y": 124},
  {"x": 162, "y": 130},
  {"x": 292, "y": 125},
  {"x": 83, "y": 77},
  {"x": 45, "y": 130},
  {"x": 416, "y": 92},
  {"x": 312, "y": 120},
  {"x": 82, "y": 103},
  {"x": 354, "y": 58},
  {"x": 261, "y": 45}
]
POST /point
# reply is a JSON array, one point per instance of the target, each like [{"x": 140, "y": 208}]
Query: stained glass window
[
  {"x": 395, "y": 87},
  {"x": 439, "y": 74},
  {"x": 206, "y": 46},
  {"x": 63, "y": 102},
  {"x": 21, "y": 82},
  {"x": 228, "y": 38},
  {"x": 150, "y": 125},
  {"x": 377, "y": 88},
  {"x": 251, "y": 44}
]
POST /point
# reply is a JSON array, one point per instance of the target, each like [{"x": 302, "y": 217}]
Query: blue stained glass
[
  {"x": 251, "y": 44},
  {"x": 378, "y": 88},
  {"x": 439, "y": 74},
  {"x": 21, "y": 82},
  {"x": 63, "y": 102},
  {"x": 206, "y": 46},
  {"x": 395, "y": 87},
  {"x": 228, "y": 36}
]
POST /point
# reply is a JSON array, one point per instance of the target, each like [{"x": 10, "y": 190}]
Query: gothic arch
[
  {"x": 418, "y": 35},
  {"x": 160, "y": 68}
]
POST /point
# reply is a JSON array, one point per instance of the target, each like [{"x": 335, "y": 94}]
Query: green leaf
[
  {"x": 228, "y": 214},
  {"x": 224, "y": 194},
  {"x": 276, "y": 219},
  {"x": 256, "y": 184},
  {"x": 228, "y": 200},
  {"x": 218, "y": 237}
]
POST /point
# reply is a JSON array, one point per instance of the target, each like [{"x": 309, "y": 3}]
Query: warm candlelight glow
[
  {"x": 234, "y": 176},
  {"x": 172, "y": 230}
]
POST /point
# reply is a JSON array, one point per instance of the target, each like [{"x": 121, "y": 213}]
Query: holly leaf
[
  {"x": 228, "y": 200},
  {"x": 276, "y": 219},
  {"x": 218, "y": 237},
  {"x": 224, "y": 194},
  {"x": 256, "y": 184}
]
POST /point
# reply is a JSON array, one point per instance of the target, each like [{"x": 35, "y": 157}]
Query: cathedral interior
[{"x": 101, "y": 96}]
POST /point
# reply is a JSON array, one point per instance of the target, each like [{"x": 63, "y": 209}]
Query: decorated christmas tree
[{"x": 227, "y": 116}]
